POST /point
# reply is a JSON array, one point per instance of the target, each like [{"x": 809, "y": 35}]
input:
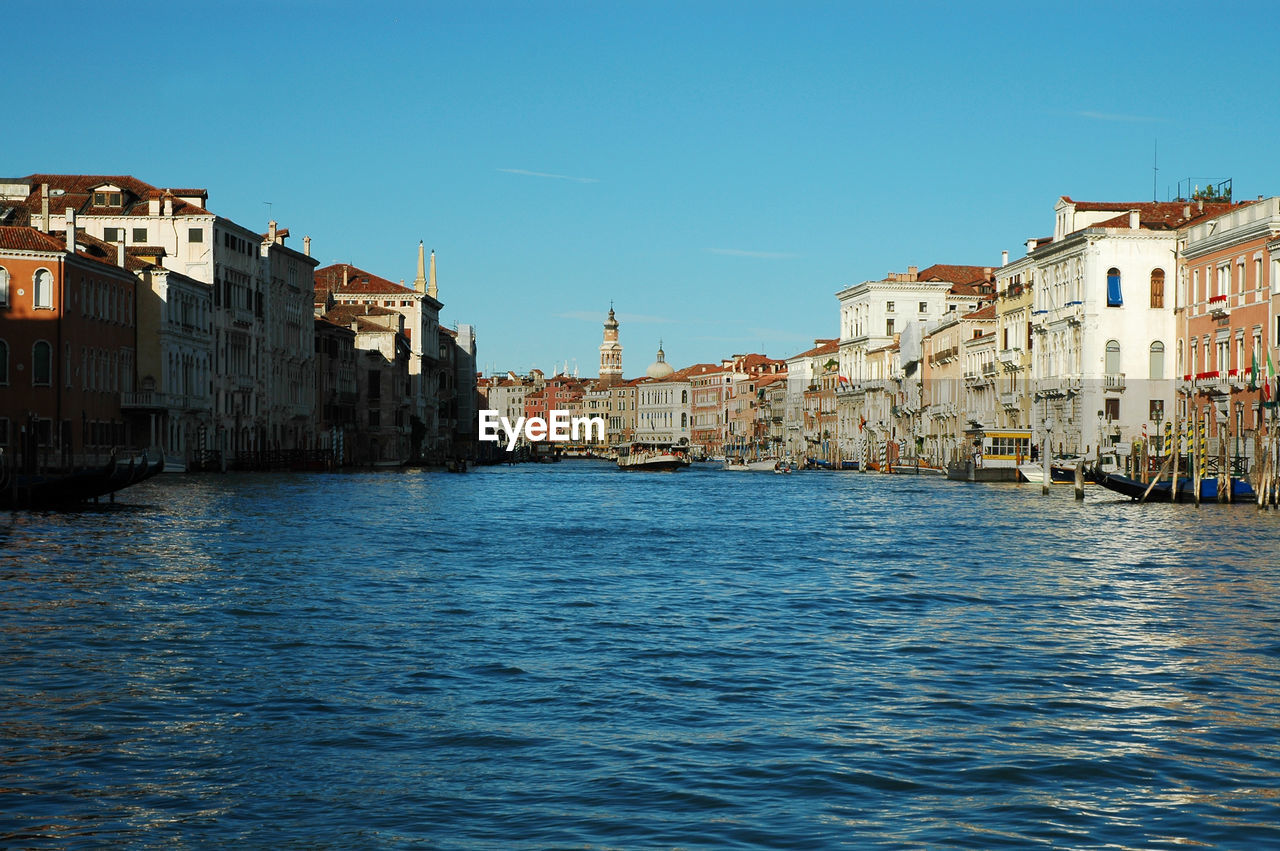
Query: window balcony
[
  {"x": 1011, "y": 357},
  {"x": 1011, "y": 400},
  {"x": 989, "y": 368},
  {"x": 1113, "y": 382},
  {"x": 1218, "y": 307},
  {"x": 946, "y": 355}
]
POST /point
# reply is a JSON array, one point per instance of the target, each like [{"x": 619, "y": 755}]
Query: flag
[
  {"x": 1253, "y": 373},
  {"x": 1271, "y": 377}
]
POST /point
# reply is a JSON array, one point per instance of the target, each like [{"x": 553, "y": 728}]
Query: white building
[{"x": 1095, "y": 320}]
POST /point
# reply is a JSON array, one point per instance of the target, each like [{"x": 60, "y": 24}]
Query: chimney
[
  {"x": 306, "y": 245},
  {"x": 1031, "y": 245},
  {"x": 912, "y": 272},
  {"x": 44, "y": 207},
  {"x": 153, "y": 204},
  {"x": 1004, "y": 258},
  {"x": 168, "y": 206},
  {"x": 271, "y": 231},
  {"x": 1133, "y": 220},
  {"x": 71, "y": 230},
  {"x": 986, "y": 272},
  {"x": 1186, "y": 211},
  {"x": 120, "y": 249},
  {"x": 1200, "y": 205}
]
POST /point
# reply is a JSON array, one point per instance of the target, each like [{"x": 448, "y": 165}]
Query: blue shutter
[{"x": 1114, "y": 298}]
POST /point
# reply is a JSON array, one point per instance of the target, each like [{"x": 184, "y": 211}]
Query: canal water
[{"x": 566, "y": 656}]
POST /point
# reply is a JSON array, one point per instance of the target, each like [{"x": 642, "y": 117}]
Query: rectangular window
[
  {"x": 140, "y": 236},
  {"x": 888, "y": 307},
  {"x": 924, "y": 307},
  {"x": 4, "y": 287},
  {"x": 114, "y": 198},
  {"x": 1111, "y": 409},
  {"x": 375, "y": 385},
  {"x": 195, "y": 235},
  {"x": 99, "y": 199},
  {"x": 112, "y": 234},
  {"x": 888, "y": 327}
]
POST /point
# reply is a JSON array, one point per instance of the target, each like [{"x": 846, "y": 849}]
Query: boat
[
  {"x": 760, "y": 465},
  {"x": 915, "y": 467},
  {"x": 994, "y": 455},
  {"x": 653, "y": 457},
  {"x": 1062, "y": 470},
  {"x": 1241, "y": 491},
  {"x": 784, "y": 467},
  {"x": 66, "y": 489}
]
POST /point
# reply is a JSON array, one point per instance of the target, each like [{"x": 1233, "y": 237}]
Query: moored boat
[
  {"x": 760, "y": 465},
  {"x": 66, "y": 489},
  {"x": 1241, "y": 491},
  {"x": 653, "y": 457}
]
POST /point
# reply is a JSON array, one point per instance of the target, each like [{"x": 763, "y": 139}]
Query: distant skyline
[{"x": 716, "y": 170}]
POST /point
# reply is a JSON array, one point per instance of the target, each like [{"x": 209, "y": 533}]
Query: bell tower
[{"x": 611, "y": 352}]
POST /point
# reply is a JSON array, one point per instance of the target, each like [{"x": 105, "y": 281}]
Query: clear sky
[{"x": 717, "y": 170}]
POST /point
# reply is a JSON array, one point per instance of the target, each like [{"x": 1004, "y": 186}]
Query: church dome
[{"x": 659, "y": 368}]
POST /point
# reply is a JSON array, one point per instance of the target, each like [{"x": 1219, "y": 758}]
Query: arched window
[
  {"x": 43, "y": 288},
  {"x": 41, "y": 364},
  {"x": 4, "y": 363},
  {"x": 1157, "y": 287},
  {"x": 1157, "y": 361},
  {"x": 1113, "y": 358},
  {"x": 684, "y": 420},
  {"x": 684, "y": 396},
  {"x": 4, "y": 287},
  {"x": 1114, "y": 297}
]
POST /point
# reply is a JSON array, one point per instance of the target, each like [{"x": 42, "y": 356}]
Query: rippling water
[{"x": 565, "y": 656}]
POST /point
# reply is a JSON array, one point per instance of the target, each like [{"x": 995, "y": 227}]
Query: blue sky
[{"x": 717, "y": 170}]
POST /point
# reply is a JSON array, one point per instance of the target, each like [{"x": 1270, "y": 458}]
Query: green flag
[{"x": 1253, "y": 373}]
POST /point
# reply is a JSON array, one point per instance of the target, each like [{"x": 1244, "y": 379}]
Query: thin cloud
[
  {"x": 525, "y": 173},
  {"x": 1116, "y": 116},
  {"x": 761, "y": 255}
]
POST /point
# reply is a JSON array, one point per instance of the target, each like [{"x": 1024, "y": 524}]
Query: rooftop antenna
[{"x": 269, "y": 208}]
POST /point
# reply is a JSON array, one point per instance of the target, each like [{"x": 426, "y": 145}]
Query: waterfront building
[
  {"x": 943, "y": 389},
  {"x": 978, "y": 355},
  {"x": 384, "y": 392},
  {"x": 456, "y": 394},
  {"x": 878, "y": 393},
  {"x": 559, "y": 393},
  {"x": 1227, "y": 279},
  {"x": 351, "y": 285},
  {"x": 810, "y": 401},
  {"x": 744, "y": 372},
  {"x": 874, "y": 313},
  {"x": 336, "y": 392},
  {"x": 255, "y": 321},
  {"x": 1015, "y": 284},
  {"x": 171, "y": 408},
  {"x": 623, "y": 411},
  {"x": 1099, "y": 312},
  {"x": 708, "y": 410},
  {"x": 68, "y": 331},
  {"x": 771, "y": 392},
  {"x": 664, "y": 403}
]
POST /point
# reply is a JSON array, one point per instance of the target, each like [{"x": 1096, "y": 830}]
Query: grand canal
[{"x": 565, "y": 656}]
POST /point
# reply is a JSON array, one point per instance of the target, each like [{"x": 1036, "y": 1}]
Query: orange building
[
  {"x": 68, "y": 342},
  {"x": 1225, "y": 322}
]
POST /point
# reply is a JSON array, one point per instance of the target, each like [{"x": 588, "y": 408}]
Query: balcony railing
[
  {"x": 945, "y": 355},
  {"x": 989, "y": 368},
  {"x": 1010, "y": 400},
  {"x": 151, "y": 400},
  {"x": 1218, "y": 307},
  {"x": 1011, "y": 357},
  {"x": 1114, "y": 381}
]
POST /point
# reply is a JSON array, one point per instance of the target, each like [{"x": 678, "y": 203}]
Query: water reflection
[{"x": 567, "y": 656}]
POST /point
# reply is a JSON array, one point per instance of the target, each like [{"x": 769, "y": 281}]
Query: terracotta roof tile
[
  {"x": 954, "y": 274},
  {"x": 358, "y": 281},
  {"x": 27, "y": 239}
]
